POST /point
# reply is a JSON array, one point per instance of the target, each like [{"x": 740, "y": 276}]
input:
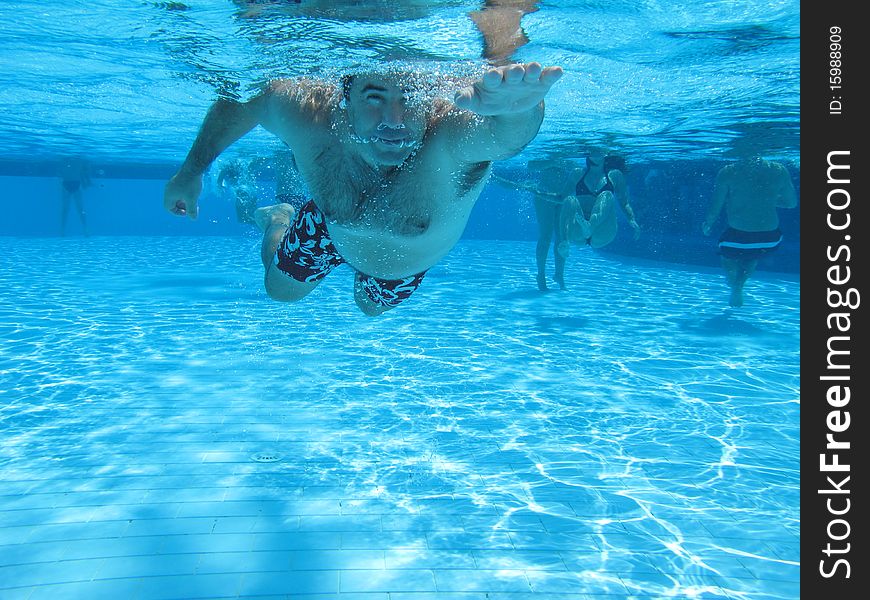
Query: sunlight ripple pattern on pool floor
[{"x": 631, "y": 437}]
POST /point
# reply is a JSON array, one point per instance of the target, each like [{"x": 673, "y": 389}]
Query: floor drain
[{"x": 265, "y": 457}]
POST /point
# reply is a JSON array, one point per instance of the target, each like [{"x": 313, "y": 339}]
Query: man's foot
[
  {"x": 564, "y": 248},
  {"x": 560, "y": 279},
  {"x": 271, "y": 215},
  {"x": 542, "y": 282}
]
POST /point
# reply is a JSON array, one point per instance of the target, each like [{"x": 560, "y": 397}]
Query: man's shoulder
[
  {"x": 444, "y": 126},
  {"x": 442, "y": 111},
  {"x": 312, "y": 93},
  {"x": 307, "y": 102}
]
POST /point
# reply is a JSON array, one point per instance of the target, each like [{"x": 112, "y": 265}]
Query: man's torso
[
  {"x": 753, "y": 189},
  {"x": 396, "y": 223}
]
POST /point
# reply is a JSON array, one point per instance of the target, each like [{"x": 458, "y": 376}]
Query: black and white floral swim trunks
[{"x": 306, "y": 253}]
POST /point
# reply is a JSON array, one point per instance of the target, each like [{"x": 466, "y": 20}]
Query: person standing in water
[
  {"x": 393, "y": 171},
  {"x": 549, "y": 189},
  {"x": 74, "y": 176},
  {"x": 750, "y": 190}
]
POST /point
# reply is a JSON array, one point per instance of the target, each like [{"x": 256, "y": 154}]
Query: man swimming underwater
[{"x": 393, "y": 173}]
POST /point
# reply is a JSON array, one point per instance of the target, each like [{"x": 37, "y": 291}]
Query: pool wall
[{"x": 669, "y": 199}]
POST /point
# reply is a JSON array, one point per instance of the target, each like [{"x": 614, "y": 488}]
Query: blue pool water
[
  {"x": 168, "y": 431},
  {"x": 632, "y": 438}
]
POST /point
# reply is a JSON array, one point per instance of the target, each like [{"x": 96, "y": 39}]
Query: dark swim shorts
[
  {"x": 748, "y": 245},
  {"x": 307, "y": 254}
]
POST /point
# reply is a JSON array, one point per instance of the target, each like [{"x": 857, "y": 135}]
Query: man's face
[{"x": 386, "y": 117}]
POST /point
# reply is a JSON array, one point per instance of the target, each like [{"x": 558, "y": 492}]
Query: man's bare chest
[{"x": 403, "y": 201}]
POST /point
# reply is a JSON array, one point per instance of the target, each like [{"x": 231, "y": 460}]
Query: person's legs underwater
[
  {"x": 740, "y": 251},
  {"x": 278, "y": 223},
  {"x": 547, "y": 219},
  {"x": 602, "y": 220}
]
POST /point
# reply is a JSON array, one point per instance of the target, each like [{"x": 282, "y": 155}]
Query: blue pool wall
[{"x": 669, "y": 199}]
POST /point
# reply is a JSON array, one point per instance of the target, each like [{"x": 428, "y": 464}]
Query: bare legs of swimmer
[
  {"x": 573, "y": 226},
  {"x": 597, "y": 231},
  {"x": 274, "y": 221},
  {"x": 547, "y": 215},
  {"x": 737, "y": 272}
]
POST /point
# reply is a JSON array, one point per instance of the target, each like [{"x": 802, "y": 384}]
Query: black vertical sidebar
[{"x": 834, "y": 261}]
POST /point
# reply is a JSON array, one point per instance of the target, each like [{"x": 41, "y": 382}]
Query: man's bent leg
[
  {"x": 499, "y": 23},
  {"x": 745, "y": 268},
  {"x": 286, "y": 278},
  {"x": 369, "y": 307},
  {"x": 64, "y": 211},
  {"x": 748, "y": 268},
  {"x": 80, "y": 208},
  {"x": 740, "y": 252}
]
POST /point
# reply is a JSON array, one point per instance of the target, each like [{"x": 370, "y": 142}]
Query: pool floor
[{"x": 170, "y": 432}]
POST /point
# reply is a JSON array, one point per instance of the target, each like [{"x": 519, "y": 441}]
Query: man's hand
[
  {"x": 181, "y": 194},
  {"x": 636, "y": 228},
  {"x": 705, "y": 228},
  {"x": 509, "y": 89}
]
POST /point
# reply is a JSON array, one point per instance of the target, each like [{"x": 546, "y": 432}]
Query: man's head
[
  {"x": 747, "y": 146},
  {"x": 387, "y": 115}
]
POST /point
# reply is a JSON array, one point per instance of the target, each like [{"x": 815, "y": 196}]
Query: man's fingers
[
  {"x": 181, "y": 209},
  {"x": 178, "y": 208},
  {"x": 463, "y": 98},
  {"x": 514, "y": 73},
  {"x": 551, "y": 75},
  {"x": 528, "y": 73},
  {"x": 516, "y": 79},
  {"x": 533, "y": 72},
  {"x": 492, "y": 79}
]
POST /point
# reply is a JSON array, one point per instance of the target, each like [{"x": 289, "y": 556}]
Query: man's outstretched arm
[
  {"x": 225, "y": 122},
  {"x": 503, "y": 111}
]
